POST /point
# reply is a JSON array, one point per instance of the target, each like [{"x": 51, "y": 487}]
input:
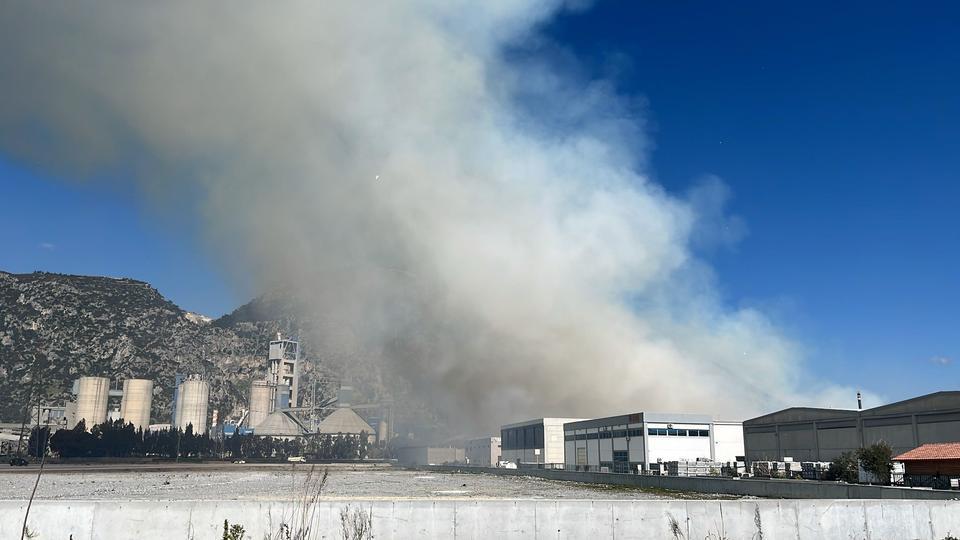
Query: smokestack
[{"x": 859, "y": 402}]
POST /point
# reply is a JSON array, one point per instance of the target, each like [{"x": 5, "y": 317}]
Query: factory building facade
[
  {"x": 284, "y": 359},
  {"x": 813, "y": 434},
  {"x": 536, "y": 442},
  {"x": 482, "y": 452},
  {"x": 412, "y": 456},
  {"x": 631, "y": 442}
]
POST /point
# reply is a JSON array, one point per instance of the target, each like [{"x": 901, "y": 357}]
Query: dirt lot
[{"x": 290, "y": 482}]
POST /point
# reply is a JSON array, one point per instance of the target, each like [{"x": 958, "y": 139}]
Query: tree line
[{"x": 119, "y": 439}]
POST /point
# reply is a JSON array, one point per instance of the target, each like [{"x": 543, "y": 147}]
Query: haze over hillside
[{"x": 55, "y": 328}]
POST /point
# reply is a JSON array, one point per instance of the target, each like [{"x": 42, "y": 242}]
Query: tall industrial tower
[{"x": 285, "y": 366}]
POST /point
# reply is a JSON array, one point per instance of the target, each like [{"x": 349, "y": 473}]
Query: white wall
[
  {"x": 727, "y": 441},
  {"x": 642, "y": 520},
  {"x": 674, "y": 448},
  {"x": 553, "y": 439}
]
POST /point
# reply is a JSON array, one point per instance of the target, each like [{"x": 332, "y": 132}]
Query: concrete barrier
[
  {"x": 754, "y": 487},
  {"x": 465, "y": 518}
]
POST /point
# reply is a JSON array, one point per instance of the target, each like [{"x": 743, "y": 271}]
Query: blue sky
[{"x": 835, "y": 125}]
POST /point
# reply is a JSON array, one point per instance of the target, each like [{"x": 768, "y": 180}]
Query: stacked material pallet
[
  {"x": 693, "y": 468},
  {"x": 814, "y": 470},
  {"x": 777, "y": 469},
  {"x": 734, "y": 468},
  {"x": 761, "y": 469}
]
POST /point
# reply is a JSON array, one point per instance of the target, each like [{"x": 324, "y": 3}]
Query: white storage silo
[
  {"x": 192, "y": 399},
  {"x": 136, "y": 403},
  {"x": 92, "y": 394},
  {"x": 261, "y": 402}
]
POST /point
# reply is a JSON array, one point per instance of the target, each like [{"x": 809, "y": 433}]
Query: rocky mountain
[{"x": 55, "y": 328}]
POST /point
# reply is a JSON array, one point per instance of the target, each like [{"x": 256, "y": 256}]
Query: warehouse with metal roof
[{"x": 815, "y": 434}]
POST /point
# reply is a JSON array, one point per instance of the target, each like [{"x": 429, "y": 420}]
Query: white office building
[
  {"x": 631, "y": 442},
  {"x": 537, "y": 442}
]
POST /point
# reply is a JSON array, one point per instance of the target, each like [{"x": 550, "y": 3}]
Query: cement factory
[
  {"x": 793, "y": 443},
  {"x": 271, "y": 407}
]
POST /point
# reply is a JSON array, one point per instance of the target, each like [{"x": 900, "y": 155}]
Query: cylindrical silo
[
  {"x": 192, "y": 399},
  {"x": 92, "y": 394},
  {"x": 382, "y": 435},
  {"x": 136, "y": 402},
  {"x": 261, "y": 401}
]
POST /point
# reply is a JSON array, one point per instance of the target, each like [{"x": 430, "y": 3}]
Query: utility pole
[
  {"x": 39, "y": 432},
  {"x": 23, "y": 426}
]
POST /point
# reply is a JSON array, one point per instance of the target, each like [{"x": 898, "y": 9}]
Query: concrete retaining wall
[
  {"x": 653, "y": 520},
  {"x": 778, "y": 489}
]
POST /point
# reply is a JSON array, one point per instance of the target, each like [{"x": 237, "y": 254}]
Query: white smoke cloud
[{"x": 507, "y": 264}]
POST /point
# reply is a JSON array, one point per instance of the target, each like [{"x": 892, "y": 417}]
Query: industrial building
[
  {"x": 537, "y": 442},
  {"x": 428, "y": 455},
  {"x": 261, "y": 402},
  {"x": 192, "y": 400},
  {"x": 91, "y": 402},
  {"x": 932, "y": 459},
  {"x": 344, "y": 421},
  {"x": 284, "y": 357},
  {"x": 53, "y": 416},
  {"x": 93, "y": 398},
  {"x": 482, "y": 452},
  {"x": 282, "y": 425},
  {"x": 632, "y": 442},
  {"x": 816, "y": 434},
  {"x": 136, "y": 402}
]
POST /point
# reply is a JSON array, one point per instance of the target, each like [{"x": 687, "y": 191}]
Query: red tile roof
[{"x": 929, "y": 452}]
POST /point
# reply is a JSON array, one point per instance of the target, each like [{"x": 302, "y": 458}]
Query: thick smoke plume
[{"x": 507, "y": 261}]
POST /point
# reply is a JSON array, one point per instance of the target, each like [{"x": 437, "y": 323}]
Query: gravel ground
[{"x": 284, "y": 484}]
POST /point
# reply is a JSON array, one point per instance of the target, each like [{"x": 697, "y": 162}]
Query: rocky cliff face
[{"x": 55, "y": 328}]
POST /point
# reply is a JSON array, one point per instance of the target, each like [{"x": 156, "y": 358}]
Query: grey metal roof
[
  {"x": 278, "y": 424},
  {"x": 937, "y": 401},
  {"x": 344, "y": 420},
  {"x": 801, "y": 414}
]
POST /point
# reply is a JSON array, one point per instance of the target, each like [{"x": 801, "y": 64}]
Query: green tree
[
  {"x": 844, "y": 468},
  {"x": 877, "y": 459},
  {"x": 76, "y": 442}
]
